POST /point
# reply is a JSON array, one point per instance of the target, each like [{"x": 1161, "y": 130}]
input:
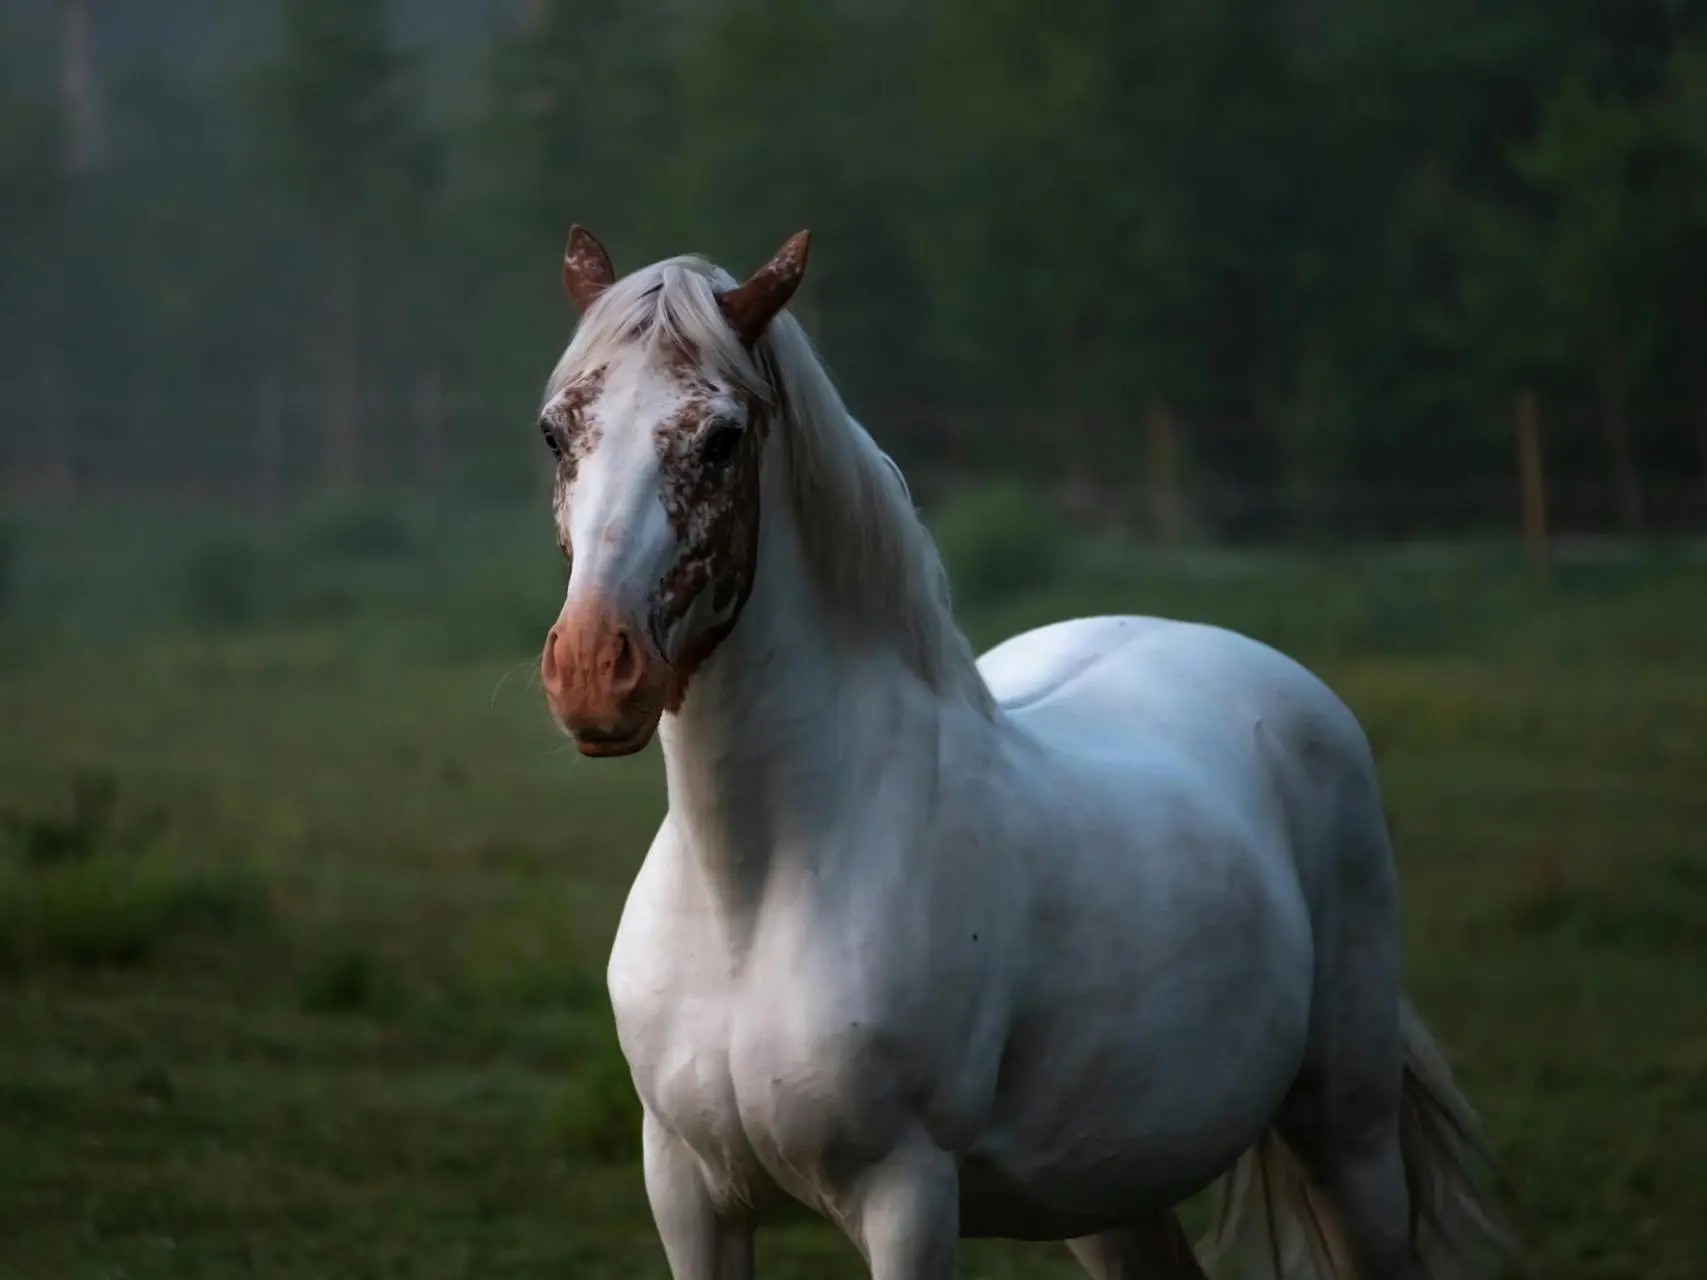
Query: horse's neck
[{"x": 785, "y": 733}]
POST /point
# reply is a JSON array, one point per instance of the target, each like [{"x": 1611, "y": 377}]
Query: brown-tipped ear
[
  {"x": 587, "y": 271},
  {"x": 750, "y": 307}
]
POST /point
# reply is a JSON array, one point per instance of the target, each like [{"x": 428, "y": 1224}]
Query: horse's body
[
  {"x": 1074, "y": 943},
  {"x": 1032, "y": 948}
]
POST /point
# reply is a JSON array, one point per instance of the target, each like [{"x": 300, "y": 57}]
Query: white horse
[{"x": 1036, "y": 946}]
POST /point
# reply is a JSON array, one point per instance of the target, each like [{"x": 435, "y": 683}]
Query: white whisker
[{"x": 510, "y": 671}]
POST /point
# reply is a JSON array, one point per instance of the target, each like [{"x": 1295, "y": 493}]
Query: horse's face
[{"x": 657, "y": 511}]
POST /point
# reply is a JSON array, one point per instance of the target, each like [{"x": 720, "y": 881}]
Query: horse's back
[
  {"x": 1147, "y": 685},
  {"x": 1187, "y": 718}
]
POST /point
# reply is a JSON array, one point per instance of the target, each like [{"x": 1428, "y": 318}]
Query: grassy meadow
[{"x": 304, "y": 905}]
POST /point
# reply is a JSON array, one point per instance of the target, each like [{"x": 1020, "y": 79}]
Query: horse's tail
[
  {"x": 1450, "y": 1171},
  {"x": 1268, "y": 1208}
]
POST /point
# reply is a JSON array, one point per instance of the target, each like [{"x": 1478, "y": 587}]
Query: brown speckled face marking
[
  {"x": 571, "y": 435},
  {"x": 707, "y": 429},
  {"x": 709, "y": 462}
]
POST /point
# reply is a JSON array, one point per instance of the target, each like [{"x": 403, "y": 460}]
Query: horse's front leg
[
  {"x": 699, "y": 1243},
  {"x": 905, "y": 1213}
]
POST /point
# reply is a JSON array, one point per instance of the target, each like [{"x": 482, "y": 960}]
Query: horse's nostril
[
  {"x": 625, "y": 662},
  {"x": 549, "y": 671}
]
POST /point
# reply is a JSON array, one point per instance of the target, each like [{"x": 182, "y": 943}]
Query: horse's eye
[
  {"x": 722, "y": 438},
  {"x": 549, "y": 431}
]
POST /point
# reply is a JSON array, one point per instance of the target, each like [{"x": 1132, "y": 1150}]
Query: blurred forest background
[
  {"x": 1239, "y": 311},
  {"x": 1235, "y": 269}
]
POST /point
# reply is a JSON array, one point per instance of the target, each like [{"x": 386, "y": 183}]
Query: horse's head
[{"x": 658, "y": 419}]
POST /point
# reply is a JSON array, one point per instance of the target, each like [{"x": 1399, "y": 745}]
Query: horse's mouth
[{"x": 598, "y": 745}]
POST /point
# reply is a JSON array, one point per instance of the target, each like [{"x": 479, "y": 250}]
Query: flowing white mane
[{"x": 864, "y": 543}]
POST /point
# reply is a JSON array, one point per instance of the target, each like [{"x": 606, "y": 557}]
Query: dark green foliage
[
  {"x": 999, "y": 542},
  {"x": 343, "y": 137},
  {"x": 344, "y": 980},
  {"x": 98, "y": 882},
  {"x": 42, "y": 839},
  {"x": 223, "y": 583},
  {"x": 1334, "y": 238},
  {"x": 358, "y": 530}
]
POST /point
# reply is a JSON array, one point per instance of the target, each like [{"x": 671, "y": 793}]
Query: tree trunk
[
  {"x": 1162, "y": 429},
  {"x": 1620, "y": 452},
  {"x": 430, "y": 426},
  {"x": 269, "y": 447},
  {"x": 1701, "y": 439},
  {"x": 79, "y": 87},
  {"x": 340, "y": 381},
  {"x": 58, "y": 475},
  {"x": 1532, "y": 485}
]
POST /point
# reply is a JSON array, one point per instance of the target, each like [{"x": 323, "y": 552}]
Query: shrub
[
  {"x": 999, "y": 542},
  {"x": 354, "y": 529},
  {"x": 343, "y": 981},
  {"x": 43, "y": 839},
  {"x": 116, "y": 909},
  {"x": 93, "y": 881},
  {"x": 221, "y": 584}
]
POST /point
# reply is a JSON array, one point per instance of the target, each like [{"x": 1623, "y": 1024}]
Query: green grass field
[{"x": 304, "y": 906}]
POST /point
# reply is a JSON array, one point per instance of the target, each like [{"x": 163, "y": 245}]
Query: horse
[{"x": 1035, "y": 945}]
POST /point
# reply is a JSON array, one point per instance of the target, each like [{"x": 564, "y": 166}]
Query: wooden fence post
[
  {"x": 79, "y": 88},
  {"x": 1531, "y": 481},
  {"x": 269, "y": 446},
  {"x": 430, "y": 421},
  {"x": 55, "y": 432},
  {"x": 1163, "y": 432}
]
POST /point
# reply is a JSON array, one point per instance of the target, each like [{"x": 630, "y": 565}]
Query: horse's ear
[
  {"x": 587, "y": 271},
  {"x": 750, "y": 307}
]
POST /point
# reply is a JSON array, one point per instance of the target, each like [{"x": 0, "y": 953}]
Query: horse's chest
[
  {"x": 690, "y": 1089},
  {"x": 675, "y": 1030},
  {"x": 770, "y": 1094}
]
